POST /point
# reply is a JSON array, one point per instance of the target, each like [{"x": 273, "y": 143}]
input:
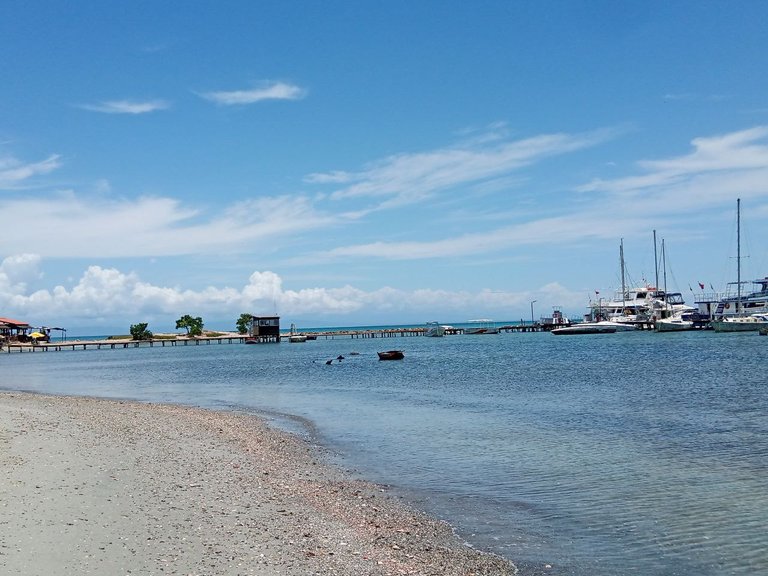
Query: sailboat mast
[
  {"x": 623, "y": 286},
  {"x": 655, "y": 262},
  {"x": 664, "y": 264},
  {"x": 738, "y": 255}
]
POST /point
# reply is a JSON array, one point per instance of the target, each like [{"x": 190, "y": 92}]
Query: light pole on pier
[{"x": 532, "y": 303}]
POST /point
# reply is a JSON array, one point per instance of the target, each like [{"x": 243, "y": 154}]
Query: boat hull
[
  {"x": 673, "y": 325},
  {"x": 391, "y": 355},
  {"x": 583, "y": 329},
  {"x": 739, "y": 325}
]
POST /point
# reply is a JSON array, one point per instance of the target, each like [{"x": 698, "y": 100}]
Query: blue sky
[{"x": 372, "y": 162}]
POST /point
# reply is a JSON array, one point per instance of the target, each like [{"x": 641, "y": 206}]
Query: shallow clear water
[{"x": 616, "y": 454}]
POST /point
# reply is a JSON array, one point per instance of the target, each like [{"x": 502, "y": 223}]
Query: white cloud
[
  {"x": 718, "y": 170},
  {"x": 556, "y": 230},
  {"x": 408, "y": 178},
  {"x": 123, "y": 297},
  {"x": 16, "y": 271},
  {"x": 13, "y": 172},
  {"x": 732, "y": 154},
  {"x": 275, "y": 91},
  {"x": 127, "y": 106},
  {"x": 68, "y": 225}
]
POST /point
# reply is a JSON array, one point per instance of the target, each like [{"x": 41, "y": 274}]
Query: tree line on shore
[{"x": 193, "y": 326}]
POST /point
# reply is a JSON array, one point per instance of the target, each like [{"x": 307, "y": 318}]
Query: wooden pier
[{"x": 116, "y": 344}]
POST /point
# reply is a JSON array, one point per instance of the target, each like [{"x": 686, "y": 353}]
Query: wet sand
[{"x": 90, "y": 486}]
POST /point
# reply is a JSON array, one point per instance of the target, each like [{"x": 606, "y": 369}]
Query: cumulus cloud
[
  {"x": 275, "y": 91},
  {"x": 103, "y": 292},
  {"x": 16, "y": 271},
  {"x": 127, "y": 106}
]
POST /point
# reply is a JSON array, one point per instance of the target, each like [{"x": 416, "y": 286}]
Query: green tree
[
  {"x": 140, "y": 332},
  {"x": 193, "y": 326},
  {"x": 244, "y": 323}
]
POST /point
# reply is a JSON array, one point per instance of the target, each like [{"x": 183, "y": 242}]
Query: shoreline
[{"x": 110, "y": 486}]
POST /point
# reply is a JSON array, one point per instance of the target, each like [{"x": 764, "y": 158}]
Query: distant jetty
[{"x": 234, "y": 338}]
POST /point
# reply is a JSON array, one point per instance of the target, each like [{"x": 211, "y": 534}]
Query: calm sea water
[{"x": 635, "y": 453}]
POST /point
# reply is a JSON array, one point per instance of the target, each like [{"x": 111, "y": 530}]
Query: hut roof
[{"x": 11, "y": 323}]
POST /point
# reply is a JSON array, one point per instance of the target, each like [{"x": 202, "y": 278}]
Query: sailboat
[{"x": 739, "y": 322}]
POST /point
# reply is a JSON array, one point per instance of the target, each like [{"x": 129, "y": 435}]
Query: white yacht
[{"x": 643, "y": 304}]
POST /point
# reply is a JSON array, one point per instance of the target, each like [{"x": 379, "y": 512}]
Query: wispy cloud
[
  {"x": 719, "y": 169},
  {"x": 717, "y": 166},
  {"x": 408, "y": 178},
  {"x": 275, "y": 91},
  {"x": 127, "y": 106},
  {"x": 13, "y": 172},
  {"x": 693, "y": 97},
  {"x": 157, "y": 226},
  {"x": 568, "y": 228}
]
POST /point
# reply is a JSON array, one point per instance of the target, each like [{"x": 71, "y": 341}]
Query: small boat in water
[
  {"x": 295, "y": 336},
  {"x": 391, "y": 355},
  {"x": 602, "y": 327}
]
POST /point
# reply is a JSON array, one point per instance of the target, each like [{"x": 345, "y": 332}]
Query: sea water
[{"x": 617, "y": 454}]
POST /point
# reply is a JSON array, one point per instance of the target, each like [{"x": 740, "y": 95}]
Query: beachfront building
[
  {"x": 265, "y": 328},
  {"x": 13, "y": 330}
]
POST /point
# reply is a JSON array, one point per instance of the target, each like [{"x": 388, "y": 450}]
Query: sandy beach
[{"x": 95, "y": 486}]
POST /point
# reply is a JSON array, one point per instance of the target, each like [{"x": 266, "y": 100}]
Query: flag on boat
[{"x": 701, "y": 285}]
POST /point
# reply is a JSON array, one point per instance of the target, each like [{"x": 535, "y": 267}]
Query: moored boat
[
  {"x": 584, "y": 328},
  {"x": 741, "y": 323},
  {"x": 741, "y": 320},
  {"x": 676, "y": 323},
  {"x": 391, "y": 355},
  {"x": 644, "y": 304},
  {"x": 434, "y": 330},
  {"x": 755, "y": 302},
  {"x": 601, "y": 327},
  {"x": 294, "y": 336}
]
